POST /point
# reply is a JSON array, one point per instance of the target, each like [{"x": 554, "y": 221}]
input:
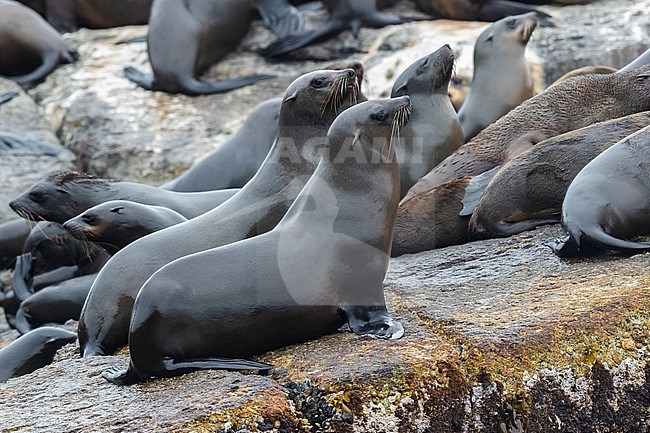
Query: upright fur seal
[
  {"x": 344, "y": 14},
  {"x": 64, "y": 195},
  {"x": 12, "y": 238},
  {"x": 234, "y": 162},
  {"x": 116, "y": 223},
  {"x": 324, "y": 263},
  {"x": 185, "y": 37},
  {"x": 529, "y": 190},
  {"x": 29, "y": 47},
  {"x": 477, "y": 10},
  {"x": 434, "y": 132},
  {"x": 32, "y": 351},
  {"x": 570, "y": 105},
  {"x": 309, "y": 107},
  {"x": 70, "y": 15},
  {"x": 609, "y": 200},
  {"x": 500, "y": 51}
]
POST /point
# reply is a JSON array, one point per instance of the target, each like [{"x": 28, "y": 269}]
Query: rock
[
  {"x": 21, "y": 116},
  {"x": 501, "y": 335}
]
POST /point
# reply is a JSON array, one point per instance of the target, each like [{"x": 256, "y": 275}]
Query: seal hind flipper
[
  {"x": 23, "y": 276},
  {"x": 8, "y": 96},
  {"x": 50, "y": 62},
  {"x": 607, "y": 241},
  {"x": 475, "y": 189},
  {"x": 140, "y": 78},
  {"x": 281, "y": 17},
  {"x": 497, "y": 9},
  {"x": 300, "y": 40},
  {"x": 373, "y": 321}
]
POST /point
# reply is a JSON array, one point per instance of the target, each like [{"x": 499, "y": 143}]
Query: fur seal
[
  {"x": 344, "y": 14},
  {"x": 529, "y": 190},
  {"x": 13, "y": 235},
  {"x": 234, "y": 162},
  {"x": 500, "y": 51},
  {"x": 434, "y": 131},
  {"x": 567, "y": 106},
  {"x": 607, "y": 202},
  {"x": 478, "y": 10},
  {"x": 70, "y": 15},
  {"x": 432, "y": 219},
  {"x": 324, "y": 264},
  {"x": 116, "y": 223},
  {"x": 64, "y": 195},
  {"x": 185, "y": 37},
  {"x": 310, "y": 105},
  {"x": 29, "y": 47},
  {"x": 32, "y": 351}
]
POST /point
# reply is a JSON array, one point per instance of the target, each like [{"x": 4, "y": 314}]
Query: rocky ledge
[{"x": 501, "y": 336}]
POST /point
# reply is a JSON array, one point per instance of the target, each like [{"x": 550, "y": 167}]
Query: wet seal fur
[
  {"x": 500, "y": 51},
  {"x": 567, "y": 106},
  {"x": 65, "y": 195},
  {"x": 186, "y": 37},
  {"x": 529, "y": 190},
  {"x": 609, "y": 200},
  {"x": 116, "y": 223},
  {"x": 32, "y": 351},
  {"x": 30, "y": 49},
  {"x": 310, "y": 105},
  {"x": 324, "y": 264},
  {"x": 434, "y": 132}
]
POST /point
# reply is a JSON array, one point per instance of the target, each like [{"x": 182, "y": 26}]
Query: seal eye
[
  {"x": 88, "y": 218},
  {"x": 380, "y": 117},
  {"x": 511, "y": 24},
  {"x": 36, "y": 196},
  {"x": 318, "y": 82}
]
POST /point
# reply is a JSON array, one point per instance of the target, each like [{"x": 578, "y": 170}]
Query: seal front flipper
[
  {"x": 294, "y": 42},
  {"x": 475, "y": 189},
  {"x": 214, "y": 363},
  {"x": 138, "y": 77},
  {"x": 122, "y": 375},
  {"x": 23, "y": 276},
  {"x": 374, "y": 321},
  {"x": 280, "y": 16},
  {"x": 565, "y": 247}
]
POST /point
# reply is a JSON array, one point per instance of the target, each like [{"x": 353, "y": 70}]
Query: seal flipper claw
[
  {"x": 121, "y": 376},
  {"x": 281, "y": 17},
  {"x": 143, "y": 80},
  {"x": 374, "y": 321}
]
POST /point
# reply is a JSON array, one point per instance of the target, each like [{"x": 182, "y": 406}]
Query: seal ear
[{"x": 290, "y": 97}]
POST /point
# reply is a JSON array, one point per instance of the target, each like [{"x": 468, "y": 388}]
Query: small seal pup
[
  {"x": 529, "y": 190},
  {"x": 30, "y": 49},
  {"x": 310, "y": 105},
  {"x": 344, "y": 14},
  {"x": 64, "y": 195},
  {"x": 567, "y": 106},
  {"x": 433, "y": 132},
  {"x": 500, "y": 51},
  {"x": 32, "y": 351},
  {"x": 185, "y": 37},
  {"x": 609, "y": 200},
  {"x": 115, "y": 224},
  {"x": 324, "y": 264}
]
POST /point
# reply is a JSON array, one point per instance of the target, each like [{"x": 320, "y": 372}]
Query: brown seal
[
  {"x": 344, "y": 14},
  {"x": 529, "y": 190},
  {"x": 607, "y": 203},
  {"x": 70, "y": 15},
  {"x": 185, "y": 37},
  {"x": 477, "y": 10},
  {"x": 32, "y": 351},
  {"x": 116, "y": 223},
  {"x": 431, "y": 219},
  {"x": 310, "y": 105},
  {"x": 500, "y": 51},
  {"x": 64, "y": 195},
  {"x": 29, "y": 47},
  {"x": 324, "y": 264},
  {"x": 434, "y": 131},
  {"x": 570, "y": 105}
]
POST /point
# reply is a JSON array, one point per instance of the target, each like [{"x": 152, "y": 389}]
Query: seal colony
[{"x": 294, "y": 277}]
